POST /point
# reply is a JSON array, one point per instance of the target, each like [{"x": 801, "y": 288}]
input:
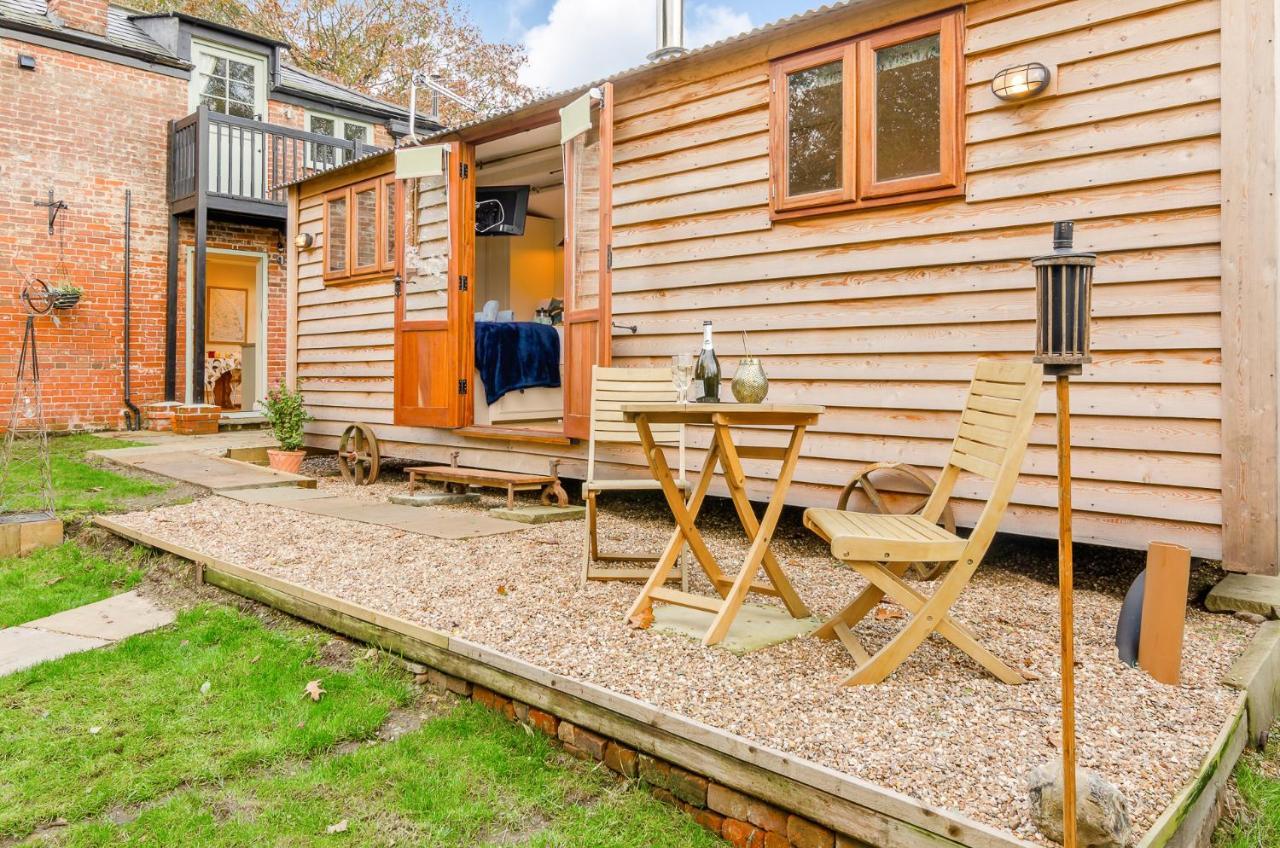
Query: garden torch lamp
[{"x": 1064, "y": 279}]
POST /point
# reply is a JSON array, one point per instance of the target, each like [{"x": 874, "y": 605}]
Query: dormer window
[{"x": 229, "y": 81}]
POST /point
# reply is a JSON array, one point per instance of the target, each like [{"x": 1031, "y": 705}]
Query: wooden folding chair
[
  {"x": 994, "y": 428},
  {"x": 610, "y": 388}
]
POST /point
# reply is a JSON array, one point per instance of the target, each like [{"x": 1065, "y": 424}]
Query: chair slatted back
[
  {"x": 995, "y": 426},
  {"x": 612, "y": 387}
]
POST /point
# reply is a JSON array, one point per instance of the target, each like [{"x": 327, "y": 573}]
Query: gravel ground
[{"x": 939, "y": 729}]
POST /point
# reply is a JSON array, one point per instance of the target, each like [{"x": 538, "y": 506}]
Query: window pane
[
  {"x": 355, "y": 132},
  {"x": 241, "y": 71},
  {"x": 908, "y": 109},
  {"x": 215, "y": 87},
  {"x": 366, "y": 228},
  {"x": 389, "y": 210},
  {"x": 815, "y": 129},
  {"x": 214, "y": 104},
  {"x": 219, "y": 66},
  {"x": 241, "y": 91},
  {"x": 241, "y": 110},
  {"x": 336, "y": 234},
  {"x": 324, "y": 126}
]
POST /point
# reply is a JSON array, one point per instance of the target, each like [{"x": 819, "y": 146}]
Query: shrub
[{"x": 286, "y": 414}]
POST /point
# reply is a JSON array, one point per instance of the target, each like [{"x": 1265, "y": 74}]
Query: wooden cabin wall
[{"x": 880, "y": 314}]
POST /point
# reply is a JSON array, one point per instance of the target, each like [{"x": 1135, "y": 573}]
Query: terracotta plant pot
[{"x": 288, "y": 461}]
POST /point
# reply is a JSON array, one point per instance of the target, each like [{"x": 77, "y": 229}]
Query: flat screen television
[{"x": 500, "y": 210}]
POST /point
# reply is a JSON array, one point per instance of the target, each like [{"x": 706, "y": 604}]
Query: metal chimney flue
[{"x": 670, "y": 30}]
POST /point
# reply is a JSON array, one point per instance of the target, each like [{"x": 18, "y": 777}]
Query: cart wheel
[
  {"x": 862, "y": 480},
  {"x": 556, "y": 492},
  {"x": 358, "y": 457}
]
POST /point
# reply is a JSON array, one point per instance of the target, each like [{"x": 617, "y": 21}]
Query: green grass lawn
[
  {"x": 56, "y": 579},
  {"x": 1256, "y": 823},
  {"x": 123, "y": 746},
  {"x": 79, "y": 487}
]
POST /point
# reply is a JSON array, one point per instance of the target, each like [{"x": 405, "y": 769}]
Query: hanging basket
[{"x": 64, "y": 299}]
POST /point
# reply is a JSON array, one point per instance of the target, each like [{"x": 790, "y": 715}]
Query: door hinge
[
  {"x": 464, "y": 170},
  {"x": 398, "y": 282},
  {"x": 463, "y": 282},
  {"x": 462, "y": 386},
  {"x": 609, "y": 257}
]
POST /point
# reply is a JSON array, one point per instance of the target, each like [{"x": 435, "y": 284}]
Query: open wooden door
[
  {"x": 433, "y": 331},
  {"x": 588, "y": 182}
]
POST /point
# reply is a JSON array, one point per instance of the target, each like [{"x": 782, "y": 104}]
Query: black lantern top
[{"x": 1064, "y": 282}]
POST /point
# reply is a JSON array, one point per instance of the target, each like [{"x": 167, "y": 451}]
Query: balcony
[{"x": 237, "y": 165}]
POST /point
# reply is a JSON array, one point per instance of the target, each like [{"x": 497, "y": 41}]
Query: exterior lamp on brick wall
[
  {"x": 1064, "y": 281},
  {"x": 303, "y": 240},
  {"x": 1021, "y": 82},
  {"x": 26, "y": 62}
]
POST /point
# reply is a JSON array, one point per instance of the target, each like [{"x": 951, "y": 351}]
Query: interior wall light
[{"x": 1021, "y": 82}]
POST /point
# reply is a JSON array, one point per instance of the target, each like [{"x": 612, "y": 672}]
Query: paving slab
[
  {"x": 435, "y": 498},
  {"x": 23, "y": 647},
  {"x": 425, "y": 521},
  {"x": 539, "y": 514},
  {"x": 1257, "y": 673},
  {"x": 277, "y": 495},
  {"x": 451, "y": 524},
  {"x": 754, "y": 628},
  {"x": 111, "y": 619},
  {"x": 211, "y": 472},
  {"x": 1256, "y": 593}
]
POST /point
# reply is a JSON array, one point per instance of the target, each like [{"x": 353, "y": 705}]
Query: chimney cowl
[{"x": 670, "y": 30}]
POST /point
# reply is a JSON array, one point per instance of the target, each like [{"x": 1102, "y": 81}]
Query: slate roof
[
  {"x": 298, "y": 81},
  {"x": 121, "y": 32}
]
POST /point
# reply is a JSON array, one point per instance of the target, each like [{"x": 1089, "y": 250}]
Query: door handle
[{"x": 398, "y": 283}]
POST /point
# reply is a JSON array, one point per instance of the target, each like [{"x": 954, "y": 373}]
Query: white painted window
[
  {"x": 228, "y": 81},
  {"x": 323, "y": 156}
]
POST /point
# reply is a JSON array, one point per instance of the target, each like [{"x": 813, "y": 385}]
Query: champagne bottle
[{"x": 706, "y": 373}]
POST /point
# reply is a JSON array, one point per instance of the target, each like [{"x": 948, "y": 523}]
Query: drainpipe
[
  {"x": 132, "y": 415},
  {"x": 670, "y": 30}
]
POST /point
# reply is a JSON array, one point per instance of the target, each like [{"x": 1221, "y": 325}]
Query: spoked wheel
[
  {"x": 358, "y": 456},
  {"x": 887, "y": 470}
]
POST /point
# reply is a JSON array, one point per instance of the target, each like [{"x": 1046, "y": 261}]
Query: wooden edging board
[{"x": 874, "y": 814}]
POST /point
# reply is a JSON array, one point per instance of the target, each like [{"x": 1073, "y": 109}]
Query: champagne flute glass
[{"x": 682, "y": 375}]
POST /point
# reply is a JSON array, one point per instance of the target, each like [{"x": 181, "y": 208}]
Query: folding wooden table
[{"x": 728, "y": 456}]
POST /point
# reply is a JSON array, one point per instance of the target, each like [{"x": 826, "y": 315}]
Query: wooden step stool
[{"x": 458, "y": 479}]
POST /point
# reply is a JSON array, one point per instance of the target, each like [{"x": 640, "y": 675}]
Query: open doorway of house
[
  {"x": 235, "y": 329},
  {"x": 519, "y": 282}
]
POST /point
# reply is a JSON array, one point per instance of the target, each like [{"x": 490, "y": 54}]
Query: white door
[{"x": 232, "y": 82}]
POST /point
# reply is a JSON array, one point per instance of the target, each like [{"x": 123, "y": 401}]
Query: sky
[{"x": 575, "y": 41}]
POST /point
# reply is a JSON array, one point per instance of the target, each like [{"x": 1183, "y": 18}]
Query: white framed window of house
[
  {"x": 348, "y": 129},
  {"x": 228, "y": 81}
]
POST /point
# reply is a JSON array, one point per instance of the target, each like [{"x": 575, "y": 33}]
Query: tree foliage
[{"x": 374, "y": 46}]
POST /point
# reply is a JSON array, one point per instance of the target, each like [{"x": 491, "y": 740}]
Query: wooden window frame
[
  {"x": 859, "y": 189},
  {"x": 384, "y": 261},
  {"x": 388, "y": 238}
]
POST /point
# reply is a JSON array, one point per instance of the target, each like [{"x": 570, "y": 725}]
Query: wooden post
[
  {"x": 1067, "y": 615},
  {"x": 1164, "y": 611}
]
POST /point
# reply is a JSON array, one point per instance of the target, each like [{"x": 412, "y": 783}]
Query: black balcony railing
[{"x": 238, "y": 163}]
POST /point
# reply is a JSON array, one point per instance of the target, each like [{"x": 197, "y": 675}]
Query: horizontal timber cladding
[{"x": 880, "y": 313}]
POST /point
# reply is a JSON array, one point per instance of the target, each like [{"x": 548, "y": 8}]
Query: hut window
[
  {"x": 360, "y": 230},
  {"x": 874, "y": 119}
]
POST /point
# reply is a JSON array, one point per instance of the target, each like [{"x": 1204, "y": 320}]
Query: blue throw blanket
[{"x": 515, "y": 355}]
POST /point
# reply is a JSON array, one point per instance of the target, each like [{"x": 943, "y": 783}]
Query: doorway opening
[
  {"x": 518, "y": 371},
  {"x": 235, "y": 366}
]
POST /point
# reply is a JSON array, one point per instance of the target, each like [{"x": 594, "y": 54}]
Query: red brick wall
[
  {"x": 84, "y": 15},
  {"x": 87, "y": 129},
  {"x": 61, "y": 128}
]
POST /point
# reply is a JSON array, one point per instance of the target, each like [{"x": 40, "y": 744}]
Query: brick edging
[{"x": 742, "y": 820}]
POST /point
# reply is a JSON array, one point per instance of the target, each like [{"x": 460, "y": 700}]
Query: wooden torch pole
[{"x": 1066, "y": 614}]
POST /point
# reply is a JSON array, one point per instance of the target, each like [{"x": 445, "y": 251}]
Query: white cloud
[{"x": 584, "y": 40}]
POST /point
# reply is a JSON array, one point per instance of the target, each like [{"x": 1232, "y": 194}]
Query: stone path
[
  {"x": 425, "y": 521},
  {"x": 211, "y": 472},
  {"x": 79, "y": 629}
]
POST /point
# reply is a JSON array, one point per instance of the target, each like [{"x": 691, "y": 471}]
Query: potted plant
[
  {"x": 286, "y": 414},
  {"x": 65, "y": 296}
]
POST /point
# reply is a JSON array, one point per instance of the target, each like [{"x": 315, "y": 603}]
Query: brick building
[{"x": 197, "y": 122}]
